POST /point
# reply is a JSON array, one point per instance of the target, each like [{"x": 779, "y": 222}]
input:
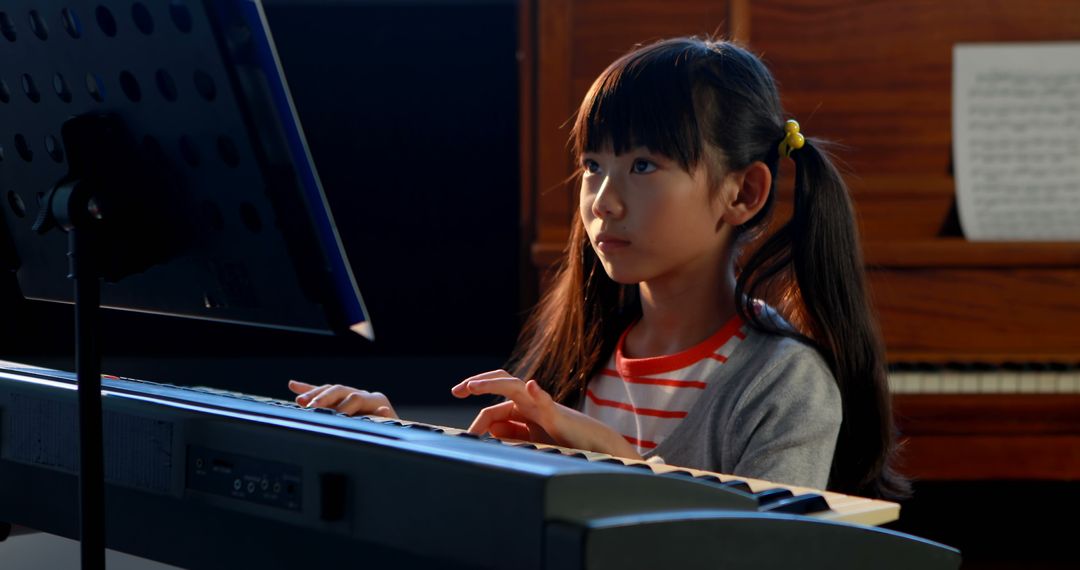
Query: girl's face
[{"x": 649, "y": 219}]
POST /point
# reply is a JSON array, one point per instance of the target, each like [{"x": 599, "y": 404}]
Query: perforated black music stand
[{"x": 162, "y": 139}]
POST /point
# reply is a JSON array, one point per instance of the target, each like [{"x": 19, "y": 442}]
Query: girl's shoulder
[
  {"x": 775, "y": 353},
  {"x": 776, "y": 358},
  {"x": 783, "y": 342}
]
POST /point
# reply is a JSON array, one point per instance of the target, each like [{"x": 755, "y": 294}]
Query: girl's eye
[
  {"x": 591, "y": 166},
  {"x": 642, "y": 166}
]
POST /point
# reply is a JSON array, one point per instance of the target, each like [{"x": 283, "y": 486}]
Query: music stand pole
[
  {"x": 72, "y": 207},
  {"x": 88, "y": 370}
]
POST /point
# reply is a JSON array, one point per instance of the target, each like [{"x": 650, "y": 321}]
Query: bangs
[{"x": 644, "y": 99}]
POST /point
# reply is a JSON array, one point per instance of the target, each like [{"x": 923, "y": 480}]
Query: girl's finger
[
  {"x": 542, "y": 402},
  {"x": 385, "y": 411},
  {"x": 512, "y": 388},
  {"x": 510, "y": 430},
  {"x": 535, "y": 390},
  {"x": 299, "y": 387},
  {"x": 360, "y": 402},
  {"x": 500, "y": 373},
  {"x": 539, "y": 396},
  {"x": 332, "y": 397},
  {"x": 306, "y": 397},
  {"x": 491, "y": 414},
  {"x": 461, "y": 390}
]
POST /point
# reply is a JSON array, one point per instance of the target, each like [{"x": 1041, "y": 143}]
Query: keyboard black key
[
  {"x": 609, "y": 460},
  {"x": 737, "y": 485},
  {"x": 798, "y": 505},
  {"x": 772, "y": 495}
]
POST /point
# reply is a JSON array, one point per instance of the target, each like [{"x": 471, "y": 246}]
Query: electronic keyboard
[{"x": 205, "y": 478}]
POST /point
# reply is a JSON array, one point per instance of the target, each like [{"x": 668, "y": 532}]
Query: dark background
[{"x": 411, "y": 112}]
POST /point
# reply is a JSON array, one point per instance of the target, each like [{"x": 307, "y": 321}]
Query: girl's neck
[{"x": 679, "y": 312}]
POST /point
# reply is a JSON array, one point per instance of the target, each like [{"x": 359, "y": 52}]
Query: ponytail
[{"x": 813, "y": 268}]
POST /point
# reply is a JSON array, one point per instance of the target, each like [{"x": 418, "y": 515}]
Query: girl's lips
[{"x": 611, "y": 245}]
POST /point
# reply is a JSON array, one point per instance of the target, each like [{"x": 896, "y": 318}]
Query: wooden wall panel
[
  {"x": 606, "y": 29},
  {"x": 554, "y": 57}
]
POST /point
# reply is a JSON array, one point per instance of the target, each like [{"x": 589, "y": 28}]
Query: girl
[{"x": 657, "y": 336}]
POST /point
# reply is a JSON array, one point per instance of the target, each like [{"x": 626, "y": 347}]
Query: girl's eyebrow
[
  {"x": 644, "y": 151},
  {"x": 653, "y": 156}
]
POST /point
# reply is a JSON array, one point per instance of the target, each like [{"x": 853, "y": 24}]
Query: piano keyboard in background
[
  {"x": 982, "y": 378},
  {"x": 771, "y": 497}
]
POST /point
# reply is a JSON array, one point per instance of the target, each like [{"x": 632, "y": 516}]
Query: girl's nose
[{"x": 608, "y": 204}]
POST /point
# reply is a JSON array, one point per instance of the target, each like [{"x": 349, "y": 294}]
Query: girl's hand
[
  {"x": 530, "y": 414},
  {"x": 344, "y": 399}
]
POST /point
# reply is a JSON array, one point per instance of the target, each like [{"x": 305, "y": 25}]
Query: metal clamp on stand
[{"x": 104, "y": 170}]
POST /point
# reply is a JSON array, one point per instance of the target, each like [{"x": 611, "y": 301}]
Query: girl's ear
[{"x": 746, "y": 193}]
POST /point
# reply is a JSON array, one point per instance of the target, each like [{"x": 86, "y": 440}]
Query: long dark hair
[{"x": 692, "y": 100}]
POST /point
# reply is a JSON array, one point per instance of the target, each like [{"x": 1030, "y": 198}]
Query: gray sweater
[{"x": 772, "y": 412}]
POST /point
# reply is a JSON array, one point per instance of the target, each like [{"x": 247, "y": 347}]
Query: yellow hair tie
[{"x": 792, "y": 139}]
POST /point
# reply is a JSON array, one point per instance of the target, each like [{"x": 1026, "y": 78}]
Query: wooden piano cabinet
[
  {"x": 986, "y": 437},
  {"x": 995, "y": 315}
]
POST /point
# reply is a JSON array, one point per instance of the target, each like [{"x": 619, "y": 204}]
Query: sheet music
[{"x": 1016, "y": 140}]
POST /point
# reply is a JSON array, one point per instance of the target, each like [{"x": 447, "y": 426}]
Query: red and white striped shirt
[{"x": 644, "y": 399}]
